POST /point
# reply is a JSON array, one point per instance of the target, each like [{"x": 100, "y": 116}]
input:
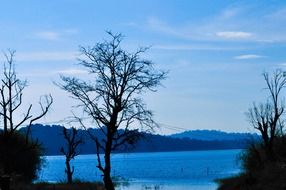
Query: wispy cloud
[
  {"x": 234, "y": 35},
  {"x": 282, "y": 64},
  {"x": 194, "y": 47},
  {"x": 72, "y": 71},
  {"x": 206, "y": 31},
  {"x": 236, "y": 23},
  {"x": 48, "y": 35},
  {"x": 162, "y": 27},
  {"x": 47, "y": 56},
  {"x": 249, "y": 56},
  {"x": 54, "y": 35},
  {"x": 214, "y": 27},
  {"x": 279, "y": 14},
  {"x": 229, "y": 13}
]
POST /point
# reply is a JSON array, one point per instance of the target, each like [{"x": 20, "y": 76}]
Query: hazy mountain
[
  {"x": 211, "y": 135},
  {"x": 52, "y": 140}
]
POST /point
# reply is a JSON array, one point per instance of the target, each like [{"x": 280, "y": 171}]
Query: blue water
[{"x": 159, "y": 170}]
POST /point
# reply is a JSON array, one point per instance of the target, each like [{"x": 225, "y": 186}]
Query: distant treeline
[{"x": 52, "y": 140}]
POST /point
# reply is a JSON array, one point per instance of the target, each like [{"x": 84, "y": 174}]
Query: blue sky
[{"x": 215, "y": 52}]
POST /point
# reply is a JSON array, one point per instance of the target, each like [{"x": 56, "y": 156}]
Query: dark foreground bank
[{"x": 58, "y": 186}]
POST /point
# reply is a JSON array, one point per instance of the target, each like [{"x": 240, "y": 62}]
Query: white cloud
[
  {"x": 249, "y": 56},
  {"x": 72, "y": 71},
  {"x": 47, "y": 56},
  {"x": 234, "y": 35}
]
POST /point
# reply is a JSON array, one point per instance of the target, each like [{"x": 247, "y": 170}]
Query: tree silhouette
[
  {"x": 266, "y": 117},
  {"x": 13, "y": 144},
  {"x": 70, "y": 150},
  {"x": 113, "y": 99},
  {"x": 11, "y": 98}
]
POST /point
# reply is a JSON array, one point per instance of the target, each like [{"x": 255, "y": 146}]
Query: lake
[{"x": 195, "y": 170}]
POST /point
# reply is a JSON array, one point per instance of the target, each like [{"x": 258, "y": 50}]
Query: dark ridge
[
  {"x": 52, "y": 140},
  {"x": 211, "y": 135}
]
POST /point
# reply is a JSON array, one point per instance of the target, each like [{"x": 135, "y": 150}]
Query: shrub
[
  {"x": 19, "y": 158},
  {"x": 260, "y": 172},
  {"x": 252, "y": 157}
]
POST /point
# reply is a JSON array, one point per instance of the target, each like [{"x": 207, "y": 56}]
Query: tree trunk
[
  {"x": 68, "y": 172},
  {"x": 107, "y": 170},
  {"x": 269, "y": 150},
  {"x": 108, "y": 182}
]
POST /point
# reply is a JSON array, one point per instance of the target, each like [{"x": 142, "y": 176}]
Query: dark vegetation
[
  {"x": 260, "y": 173},
  {"x": 19, "y": 159},
  {"x": 264, "y": 163}
]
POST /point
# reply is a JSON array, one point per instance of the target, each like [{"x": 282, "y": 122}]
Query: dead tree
[
  {"x": 113, "y": 100},
  {"x": 70, "y": 150},
  {"x": 266, "y": 117},
  {"x": 11, "y": 99}
]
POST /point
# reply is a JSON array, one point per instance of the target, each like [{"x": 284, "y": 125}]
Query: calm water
[{"x": 160, "y": 170}]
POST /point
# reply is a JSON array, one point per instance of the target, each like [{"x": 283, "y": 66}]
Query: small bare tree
[
  {"x": 11, "y": 99},
  {"x": 70, "y": 150},
  {"x": 113, "y": 100},
  {"x": 266, "y": 117}
]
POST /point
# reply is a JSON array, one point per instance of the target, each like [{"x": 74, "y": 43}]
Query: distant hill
[
  {"x": 52, "y": 140},
  {"x": 212, "y": 135}
]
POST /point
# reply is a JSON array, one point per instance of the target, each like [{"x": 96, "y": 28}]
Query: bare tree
[
  {"x": 11, "y": 99},
  {"x": 113, "y": 99},
  {"x": 70, "y": 150},
  {"x": 266, "y": 117},
  {"x": 14, "y": 144}
]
